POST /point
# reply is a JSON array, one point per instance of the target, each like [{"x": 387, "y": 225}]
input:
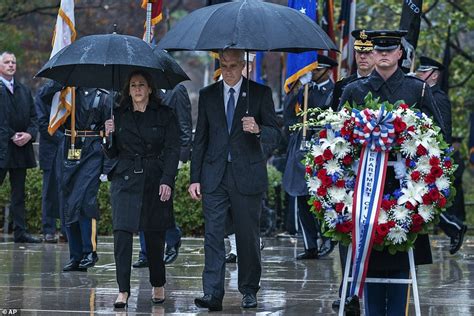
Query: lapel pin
[{"x": 244, "y": 94}]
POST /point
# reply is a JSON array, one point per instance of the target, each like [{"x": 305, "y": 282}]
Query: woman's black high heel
[
  {"x": 121, "y": 304},
  {"x": 157, "y": 300}
]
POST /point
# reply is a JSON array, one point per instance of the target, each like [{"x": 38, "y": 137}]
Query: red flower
[
  {"x": 344, "y": 228},
  {"x": 434, "y": 194},
  {"x": 448, "y": 164},
  {"x": 308, "y": 170},
  {"x": 340, "y": 183},
  {"x": 434, "y": 161},
  {"x": 400, "y": 140},
  {"x": 442, "y": 202},
  {"x": 387, "y": 204},
  {"x": 327, "y": 154},
  {"x": 426, "y": 199},
  {"x": 417, "y": 223},
  {"x": 347, "y": 160},
  {"x": 404, "y": 106},
  {"x": 381, "y": 231},
  {"x": 430, "y": 178},
  {"x": 407, "y": 162},
  {"x": 319, "y": 160},
  {"x": 317, "y": 205},
  {"x": 436, "y": 171},
  {"x": 421, "y": 151},
  {"x": 326, "y": 181},
  {"x": 415, "y": 175},
  {"x": 345, "y": 131},
  {"x": 323, "y": 134},
  {"x": 321, "y": 174},
  {"x": 339, "y": 207},
  {"x": 411, "y": 128},
  {"x": 410, "y": 206},
  {"x": 322, "y": 191},
  {"x": 399, "y": 125}
]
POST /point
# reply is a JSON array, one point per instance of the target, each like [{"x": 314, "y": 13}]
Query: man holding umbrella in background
[{"x": 228, "y": 170}]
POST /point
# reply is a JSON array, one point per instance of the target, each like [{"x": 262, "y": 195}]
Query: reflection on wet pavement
[{"x": 31, "y": 281}]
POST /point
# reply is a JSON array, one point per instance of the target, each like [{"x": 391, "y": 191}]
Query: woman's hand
[
  {"x": 109, "y": 126},
  {"x": 165, "y": 192}
]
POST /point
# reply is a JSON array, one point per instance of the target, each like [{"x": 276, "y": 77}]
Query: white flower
[
  {"x": 383, "y": 217},
  {"x": 336, "y": 119},
  {"x": 342, "y": 149},
  {"x": 400, "y": 213},
  {"x": 426, "y": 211},
  {"x": 423, "y": 165},
  {"x": 397, "y": 235},
  {"x": 316, "y": 150},
  {"x": 442, "y": 183},
  {"x": 433, "y": 148},
  {"x": 331, "y": 141},
  {"x": 413, "y": 193},
  {"x": 409, "y": 148},
  {"x": 332, "y": 167},
  {"x": 313, "y": 185},
  {"x": 337, "y": 194},
  {"x": 330, "y": 218}
]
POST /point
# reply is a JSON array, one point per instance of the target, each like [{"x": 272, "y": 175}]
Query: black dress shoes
[
  {"x": 89, "y": 260},
  {"x": 456, "y": 242},
  {"x": 352, "y": 306},
  {"x": 157, "y": 299},
  {"x": 326, "y": 248},
  {"x": 27, "y": 238},
  {"x": 120, "y": 303},
  {"x": 231, "y": 258},
  {"x": 336, "y": 303},
  {"x": 210, "y": 302},
  {"x": 140, "y": 263},
  {"x": 73, "y": 266},
  {"x": 172, "y": 253},
  {"x": 308, "y": 254},
  {"x": 249, "y": 300},
  {"x": 50, "y": 238}
]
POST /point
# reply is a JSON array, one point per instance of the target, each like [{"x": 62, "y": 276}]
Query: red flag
[
  {"x": 156, "y": 13},
  {"x": 346, "y": 25}
]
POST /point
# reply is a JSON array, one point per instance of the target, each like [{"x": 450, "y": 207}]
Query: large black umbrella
[
  {"x": 105, "y": 61},
  {"x": 248, "y": 25}
]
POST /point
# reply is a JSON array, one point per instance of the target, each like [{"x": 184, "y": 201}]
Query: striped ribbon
[{"x": 372, "y": 130}]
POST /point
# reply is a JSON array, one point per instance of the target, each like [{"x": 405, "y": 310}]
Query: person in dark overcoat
[
  {"x": 21, "y": 129},
  {"x": 451, "y": 222},
  {"x": 389, "y": 83},
  {"x": 145, "y": 143}
]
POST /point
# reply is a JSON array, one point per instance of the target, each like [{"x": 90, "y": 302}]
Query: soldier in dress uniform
[
  {"x": 430, "y": 71},
  {"x": 294, "y": 183},
  {"x": 79, "y": 169},
  {"x": 389, "y": 83}
]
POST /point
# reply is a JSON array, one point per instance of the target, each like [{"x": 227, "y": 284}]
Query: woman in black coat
[{"x": 146, "y": 144}]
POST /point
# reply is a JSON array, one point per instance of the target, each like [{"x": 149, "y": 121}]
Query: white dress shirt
[{"x": 236, "y": 92}]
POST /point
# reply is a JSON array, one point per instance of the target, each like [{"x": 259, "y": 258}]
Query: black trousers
[
  {"x": 309, "y": 223},
  {"x": 17, "y": 198},
  {"x": 246, "y": 211},
  {"x": 155, "y": 247}
]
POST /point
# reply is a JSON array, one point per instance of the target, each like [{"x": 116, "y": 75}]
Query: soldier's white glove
[
  {"x": 306, "y": 78},
  {"x": 400, "y": 169},
  {"x": 103, "y": 178}
]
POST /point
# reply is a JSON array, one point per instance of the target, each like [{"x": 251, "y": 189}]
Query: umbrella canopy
[
  {"x": 248, "y": 25},
  {"x": 105, "y": 61}
]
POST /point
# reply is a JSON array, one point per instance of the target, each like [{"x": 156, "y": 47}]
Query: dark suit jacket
[
  {"x": 4, "y": 130},
  {"x": 212, "y": 142},
  {"x": 21, "y": 118}
]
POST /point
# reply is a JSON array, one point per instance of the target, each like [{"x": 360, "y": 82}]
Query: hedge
[{"x": 188, "y": 212}]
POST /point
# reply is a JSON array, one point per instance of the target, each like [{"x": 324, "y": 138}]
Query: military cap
[
  {"x": 326, "y": 62},
  {"x": 362, "y": 43},
  {"x": 428, "y": 64},
  {"x": 385, "y": 39}
]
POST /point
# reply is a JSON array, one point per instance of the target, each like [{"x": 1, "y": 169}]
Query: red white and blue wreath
[{"x": 424, "y": 168}]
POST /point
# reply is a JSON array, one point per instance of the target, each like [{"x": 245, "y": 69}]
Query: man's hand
[
  {"x": 165, "y": 192},
  {"x": 249, "y": 125},
  {"x": 21, "y": 139},
  {"x": 195, "y": 191},
  {"x": 109, "y": 126}
]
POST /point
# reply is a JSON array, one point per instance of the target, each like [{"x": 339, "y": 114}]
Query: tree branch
[
  {"x": 463, "y": 82},
  {"x": 461, "y": 52},
  {"x": 458, "y": 7}
]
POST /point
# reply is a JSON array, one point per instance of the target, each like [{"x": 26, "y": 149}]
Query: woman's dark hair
[{"x": 127, "y": 99}]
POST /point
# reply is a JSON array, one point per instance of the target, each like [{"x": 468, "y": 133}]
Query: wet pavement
[{"x": 31, "y": 282}]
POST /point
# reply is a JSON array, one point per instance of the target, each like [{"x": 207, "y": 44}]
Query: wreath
[{"x": 424, "y": 160}]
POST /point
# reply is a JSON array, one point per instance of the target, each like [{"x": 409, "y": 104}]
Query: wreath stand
[{"x": 347, "y": 279}]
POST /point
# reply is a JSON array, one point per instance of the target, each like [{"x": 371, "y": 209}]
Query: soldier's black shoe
[
  {"x": 352, "y": 306},
  {"x": 308, "y": 254},
  {"x": 140, "y": 263},
  {"x": 210, "y": 302},
  {"x": 336, "y": 303},
  {"x": 249, "y": 300},
  {"x": 50, "y": 239},
  {"x": 171, "y": 253},
  {"x": 326, "y": 248},
  {"x": 230, "y": 258},
  {"x": 27, "y": 238},
  {"x": 89, "y": 260},
  {"x": 73, "y": 266},
  {"x": 456, "y": 242}
]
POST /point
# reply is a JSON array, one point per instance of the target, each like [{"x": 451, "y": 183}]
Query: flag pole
[
  {"x": 148, "y": 22},
  {"x": 305, "y": 116},
  {"x": 341, "y": 45}
]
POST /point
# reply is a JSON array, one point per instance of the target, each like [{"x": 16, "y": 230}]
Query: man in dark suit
[
  {"x": 228, "y": 170},
  {"x": 430, "y": 71},
  {"x": 22, "y": 130}
]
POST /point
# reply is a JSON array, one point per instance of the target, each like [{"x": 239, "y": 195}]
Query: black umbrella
[
  {"x": 105, "y": 61},
  {"x": 248, "y": 25}
]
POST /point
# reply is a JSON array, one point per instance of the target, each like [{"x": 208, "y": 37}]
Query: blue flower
[
  {"x": 412, "y": 164},
  {"x": 337, "y": 133},
  {"x": 386, "y": 197},
  {"x": 419, "y": 114},
  {"x": 397, "y": 193},
  {"x": 335, "y": 177},
  {"x": 446, "y": 192}
]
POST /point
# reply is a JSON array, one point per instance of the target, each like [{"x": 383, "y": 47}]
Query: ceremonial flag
[
  {"x": 327, "y": 24},
  {"x": 410, "y": 21},
  {"x": 156, "y": 15},
  {"x": 64, "y": 34},
  {"x": 298, "y": 65},
  {"x": 258, "y": 67},
  {"x": 346, "y": 24}
]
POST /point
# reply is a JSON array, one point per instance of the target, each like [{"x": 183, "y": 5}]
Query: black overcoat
[{"x": 146, "y": 146}]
